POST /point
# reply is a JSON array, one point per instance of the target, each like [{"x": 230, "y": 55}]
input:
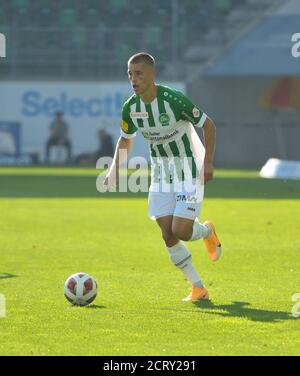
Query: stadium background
[{"x": 229, "y": 56}]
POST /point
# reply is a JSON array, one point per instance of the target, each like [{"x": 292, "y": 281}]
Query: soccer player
[{"x": 166, "y": 118}]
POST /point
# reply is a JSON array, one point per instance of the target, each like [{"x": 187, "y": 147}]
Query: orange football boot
[
  {"x": 197, "y": 293},
  {"x": 212, "y": 243}
]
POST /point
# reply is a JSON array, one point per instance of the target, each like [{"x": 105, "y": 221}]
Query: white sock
[
  {"x": 199, "y": 231},
  {"x": 182, "y": 259},
  {"x": 191, "y": 274}
]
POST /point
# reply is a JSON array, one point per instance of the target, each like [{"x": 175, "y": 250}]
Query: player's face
[{"x": 141, "y": 77}]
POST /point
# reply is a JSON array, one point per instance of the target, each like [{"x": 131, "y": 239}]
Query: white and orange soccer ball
[{"x": 80, "y": 289}]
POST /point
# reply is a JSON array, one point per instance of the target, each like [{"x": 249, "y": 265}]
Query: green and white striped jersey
[{"x": 167, "y": 123}]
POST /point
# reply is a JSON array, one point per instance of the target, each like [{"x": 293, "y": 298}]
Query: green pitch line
[
  {"x": 81, "y": 182},
  {"x": 48, "y": 171},
  {"x": 76, "y": 171}
]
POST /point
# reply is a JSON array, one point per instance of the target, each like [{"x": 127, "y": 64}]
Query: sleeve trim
[
  {"x": 126, "y": 135},
  {"x": 201, "y": 121}
]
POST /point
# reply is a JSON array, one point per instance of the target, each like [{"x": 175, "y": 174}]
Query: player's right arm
[{"x": 123, "y": 147}]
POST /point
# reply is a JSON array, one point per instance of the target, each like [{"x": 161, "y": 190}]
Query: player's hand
[
  {"x": 110, "y": 180},
  {"x": 105, "y": 184},
  {"x": 208, "y": 171}
]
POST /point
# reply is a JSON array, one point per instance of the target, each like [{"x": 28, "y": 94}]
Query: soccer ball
[{"x": 80, "y": 289}]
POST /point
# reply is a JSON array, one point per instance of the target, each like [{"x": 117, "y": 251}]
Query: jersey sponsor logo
[
  {"x": 196, "y": 112},
  {"x": 164, "y": 119},
  {"x": 156, "y": 138},
  {"x": 124, "y": 126},
  {"x": 139, "y": 115},
  {"x": 150, "y": 134}
]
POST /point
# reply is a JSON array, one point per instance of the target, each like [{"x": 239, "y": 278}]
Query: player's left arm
[
  {"x": 209, "y": 135},
  {"x": 199, "y": 119}
]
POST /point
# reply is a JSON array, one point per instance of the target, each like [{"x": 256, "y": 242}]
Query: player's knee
[
  {"x": 168, "y": 237},
  {"x": 182, "y": 232}
]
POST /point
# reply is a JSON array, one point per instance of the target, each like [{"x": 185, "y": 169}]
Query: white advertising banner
[{"x": 87, "y": 107}]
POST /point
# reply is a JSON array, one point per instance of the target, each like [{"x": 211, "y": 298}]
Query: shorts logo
[
  {"x": 196, "y": 112},
  {"x": 164, "y": 119},
  {"x": 191, "y": 209},
  {"x": 188, "y": 198},
  {"x": 139, "y": 115}
]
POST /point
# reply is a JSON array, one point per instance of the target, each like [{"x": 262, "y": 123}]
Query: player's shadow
[
  {"x": 242, "y": 310},
  {"x": 7, "y": 275}
]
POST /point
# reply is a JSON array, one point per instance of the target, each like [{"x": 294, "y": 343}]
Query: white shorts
[{"x": 179, "y": 204}]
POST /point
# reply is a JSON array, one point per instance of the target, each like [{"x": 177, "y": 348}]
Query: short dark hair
[{"x": 142, "y": 57}]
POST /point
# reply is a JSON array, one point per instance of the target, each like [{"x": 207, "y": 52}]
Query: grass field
[{"x": 54, "y": 223}]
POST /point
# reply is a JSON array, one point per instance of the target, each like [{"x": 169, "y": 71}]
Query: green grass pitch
[{"x": 54, "y": 223}]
